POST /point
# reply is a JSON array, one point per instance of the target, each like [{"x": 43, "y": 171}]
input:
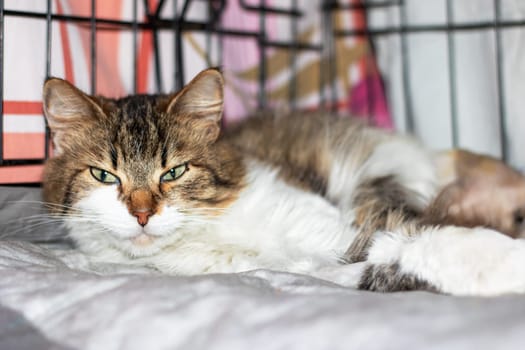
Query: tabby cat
[{"x": 153, "y": 181}]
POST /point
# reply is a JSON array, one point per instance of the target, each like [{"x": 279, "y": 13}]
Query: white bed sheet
[{"x": 54, "y": 299}]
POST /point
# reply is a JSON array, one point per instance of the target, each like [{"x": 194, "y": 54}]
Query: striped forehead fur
[{"x": 138, "y": 137}]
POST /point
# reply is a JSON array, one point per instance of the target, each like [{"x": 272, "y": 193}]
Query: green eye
[
  {"x": 174, "y": 173},
  {"x": 104, "y": 176}
]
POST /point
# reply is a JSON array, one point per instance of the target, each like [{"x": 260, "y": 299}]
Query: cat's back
[
  {"x": 304, "y": 146},
  {"x": 265, "y": 128}
]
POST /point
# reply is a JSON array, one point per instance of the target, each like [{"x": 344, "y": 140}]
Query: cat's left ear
[{"x": 200, "y": 104}]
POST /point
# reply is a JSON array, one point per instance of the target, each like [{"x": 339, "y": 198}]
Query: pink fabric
[
  {"x": 240, "y": 54},
  {"x": 71, "y": 52},
  {"x": 363, "y": 93}
]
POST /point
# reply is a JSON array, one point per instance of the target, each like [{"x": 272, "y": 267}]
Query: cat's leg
[
  {"x": 450, "y": 259},
  {"x": 377, "y": 205},
  {"x": 394, "y": 184}
]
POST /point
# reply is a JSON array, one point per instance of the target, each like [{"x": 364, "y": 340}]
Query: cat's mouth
[{"x": 143, "y": 240}]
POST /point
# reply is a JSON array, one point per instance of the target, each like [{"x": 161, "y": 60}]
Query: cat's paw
[{"x": 456, "y": 260}]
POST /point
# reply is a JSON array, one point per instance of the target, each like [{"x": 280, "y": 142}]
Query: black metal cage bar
[
  {"x": 2, "y": 16},
  {"x": 501, "y": 87},
  {"x": 451, "y": 46}
]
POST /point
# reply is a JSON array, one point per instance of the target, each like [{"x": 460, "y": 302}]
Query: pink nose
[{"x": 142, "y": 216}]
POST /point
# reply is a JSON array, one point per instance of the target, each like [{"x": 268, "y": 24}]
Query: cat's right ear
[{"x": 68, "y": 111}]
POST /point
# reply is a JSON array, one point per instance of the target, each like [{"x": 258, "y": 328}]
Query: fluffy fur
[{"x": 304, "y": 193}]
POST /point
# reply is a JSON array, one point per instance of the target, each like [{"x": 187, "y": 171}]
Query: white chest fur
[{"x": 271, "y": 225}]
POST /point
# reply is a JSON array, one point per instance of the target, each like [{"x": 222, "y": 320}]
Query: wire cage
[{"x": 383, "y": 22}]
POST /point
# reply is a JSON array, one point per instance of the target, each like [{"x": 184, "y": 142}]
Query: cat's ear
[
  {"x": 200, "y": 104},
  {"x": 69, "y": 112}
]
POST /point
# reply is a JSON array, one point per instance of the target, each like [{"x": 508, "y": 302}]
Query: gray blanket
[{"x": 51, "y": 297}]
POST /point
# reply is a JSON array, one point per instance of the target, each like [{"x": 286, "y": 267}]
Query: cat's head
[
  {"x": 137, "y": 172},
  {"x": 479, "y": 190}
]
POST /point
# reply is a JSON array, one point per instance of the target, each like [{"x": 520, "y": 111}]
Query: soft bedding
[{"x": 51, "y": 297}]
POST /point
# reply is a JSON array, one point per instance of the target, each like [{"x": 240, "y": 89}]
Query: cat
[
  {"x": 478, "y": 190},
  {"x": 155, "y": 181}
]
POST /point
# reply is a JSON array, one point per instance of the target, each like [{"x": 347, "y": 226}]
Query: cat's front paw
[{"x": 456, "y": 260}]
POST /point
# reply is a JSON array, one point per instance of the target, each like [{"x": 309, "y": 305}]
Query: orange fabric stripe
[
  {"x": 22, "y": 107},
  {"x": 21, "y": 174},
  {"x": 66, "y": 49},
  {"x": 359, "y": 21},
  {"x": 107, "y": 46},
  {"x": 143, "y": 62},
  {"x": 144, "y": 56},
  {"x": 24, "y": 145}
]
